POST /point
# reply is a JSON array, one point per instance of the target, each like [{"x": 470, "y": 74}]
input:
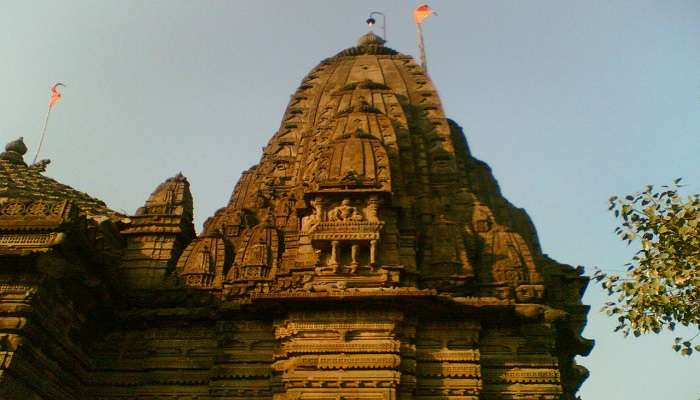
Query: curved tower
[
  {"x": 367, "y": 256},
  {"x": 396, "y": 265}
]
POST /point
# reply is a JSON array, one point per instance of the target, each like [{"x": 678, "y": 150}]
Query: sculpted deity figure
[
  {"x": 372, "y": 209},
  {"x": 309, "y": 222},
  {"x": 345, "y": 212}
]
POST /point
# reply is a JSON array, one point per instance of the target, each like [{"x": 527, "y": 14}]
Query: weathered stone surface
[{"x": 367, "y": 256}]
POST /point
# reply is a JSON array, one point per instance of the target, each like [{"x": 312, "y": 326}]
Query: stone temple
[{"x": 367, "y": 256}]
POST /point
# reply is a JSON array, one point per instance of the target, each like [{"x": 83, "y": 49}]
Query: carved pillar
[
  {"x": 373, "y": 252},
  {"x": 353, "y": 255},
  {"x": 334, "y": 253}
]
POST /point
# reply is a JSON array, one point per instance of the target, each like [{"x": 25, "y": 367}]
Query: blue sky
[{"x": 568, "y": 102}]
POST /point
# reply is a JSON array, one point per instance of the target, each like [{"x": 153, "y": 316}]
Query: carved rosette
[{"x": 31, "y": 211}]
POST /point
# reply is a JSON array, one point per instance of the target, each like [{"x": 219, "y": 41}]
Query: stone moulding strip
[
  {"x": 289, "y": 349},
  {"x": 21, "y": 240},
  {"x": 340, "y": 294}
]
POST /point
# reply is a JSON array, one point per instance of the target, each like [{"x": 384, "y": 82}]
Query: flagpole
[
  {"x": 421, "y": 47},
  {"x": 43, "y": 134}
]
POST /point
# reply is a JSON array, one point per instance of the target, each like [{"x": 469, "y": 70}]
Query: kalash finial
[
  {"x": 14, "y": 151},
  {"x": 371, "y": 21}
]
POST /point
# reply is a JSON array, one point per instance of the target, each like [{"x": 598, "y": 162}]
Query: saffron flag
[
  {"x": 55, "y": 95},
  {"x": 422, "y": 12}
]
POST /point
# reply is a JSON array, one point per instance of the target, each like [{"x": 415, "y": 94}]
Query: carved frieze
[{"x": 23, "y": 213}]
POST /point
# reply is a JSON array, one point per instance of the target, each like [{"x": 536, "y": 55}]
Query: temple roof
[{"x": 19, "y": 180}]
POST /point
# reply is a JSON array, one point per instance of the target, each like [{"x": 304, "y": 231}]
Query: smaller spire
[
  {"x": 370, "y": 39},
  {"x": 14, "y": 151}
]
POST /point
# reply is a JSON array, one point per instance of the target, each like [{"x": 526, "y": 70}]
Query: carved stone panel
[{"x": 344, "y": 354}]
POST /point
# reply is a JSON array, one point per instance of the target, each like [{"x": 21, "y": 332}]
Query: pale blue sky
[{"x": 568, "y": 101}]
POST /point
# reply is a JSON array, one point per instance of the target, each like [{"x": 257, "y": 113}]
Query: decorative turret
[
  {"x": 202, "y": 263},
  {"x": 158, "y": 234}
]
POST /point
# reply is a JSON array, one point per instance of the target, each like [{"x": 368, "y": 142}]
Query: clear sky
[{"x": 568, "y": 101}]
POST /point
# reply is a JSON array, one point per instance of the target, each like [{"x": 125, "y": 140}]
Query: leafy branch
[{"x": 661, "y": 288}]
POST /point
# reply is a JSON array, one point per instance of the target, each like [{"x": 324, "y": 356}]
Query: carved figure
[
  {"x": 309, "y": 222},
  {"x": 345, "y": 212}
]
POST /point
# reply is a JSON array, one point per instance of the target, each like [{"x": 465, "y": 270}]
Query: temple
[{"x": 368, "y": 256}]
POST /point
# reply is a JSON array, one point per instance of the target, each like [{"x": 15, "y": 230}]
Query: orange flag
[
  {"x": 422, "y": 12},
  {"x": 55, "y": 95}
]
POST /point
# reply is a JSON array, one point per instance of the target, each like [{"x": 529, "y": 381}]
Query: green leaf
[{"x": 660, "y": 288}]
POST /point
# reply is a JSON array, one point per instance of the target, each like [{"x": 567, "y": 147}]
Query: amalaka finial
[
  {"x": 370, "y": 39},
  {"x": 17, "y": 146}
]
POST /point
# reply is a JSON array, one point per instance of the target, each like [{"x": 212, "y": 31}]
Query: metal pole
[
  {"x": 421, "y": 47},
  {"x": 383, "y": 22},
  {"x": 43, "y": 134}
]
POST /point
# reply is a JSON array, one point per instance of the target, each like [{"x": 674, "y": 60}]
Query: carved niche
[
  {"x": 345, "y": 233},
  {"x": 342, "y": 231}
]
